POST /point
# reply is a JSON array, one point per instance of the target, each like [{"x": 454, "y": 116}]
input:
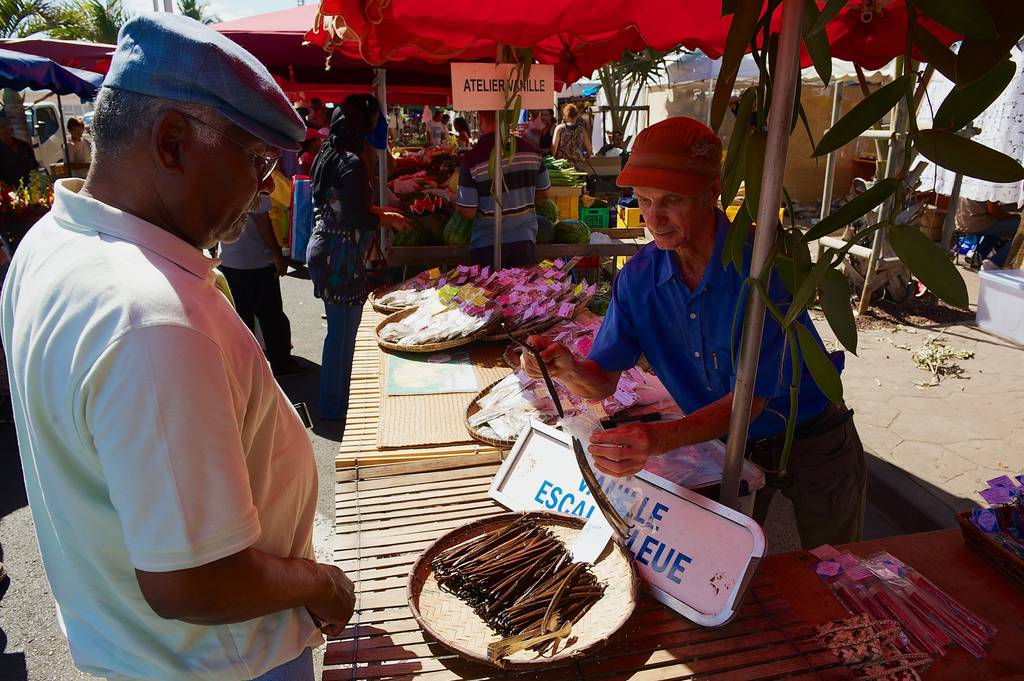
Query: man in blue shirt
[{"x": 674, "y": 302}]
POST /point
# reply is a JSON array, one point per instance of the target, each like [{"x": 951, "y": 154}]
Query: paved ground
[{"x": 930, "y": 450}]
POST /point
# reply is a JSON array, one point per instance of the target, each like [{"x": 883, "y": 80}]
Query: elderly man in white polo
[{"x": 172, "y": 484}]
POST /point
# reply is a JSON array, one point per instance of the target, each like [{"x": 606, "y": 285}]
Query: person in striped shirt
[{"x": 526, "y": 180}]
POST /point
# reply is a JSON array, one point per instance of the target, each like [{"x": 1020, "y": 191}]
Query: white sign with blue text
[{"x": 695, "y": 555}]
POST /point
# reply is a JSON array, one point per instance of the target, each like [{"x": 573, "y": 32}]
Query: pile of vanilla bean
[{"x": 521, "y": 580}]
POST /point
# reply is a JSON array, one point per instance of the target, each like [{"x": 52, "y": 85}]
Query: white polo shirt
[{"x": 153, "y": 436}]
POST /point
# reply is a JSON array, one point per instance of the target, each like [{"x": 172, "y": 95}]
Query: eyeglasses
[{"x": 264, "y": 164}]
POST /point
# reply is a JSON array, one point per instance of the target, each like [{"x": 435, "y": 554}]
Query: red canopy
[
  {"x": 276, "y": 39},
  {"x": 77, "y": 54},
  {"x": 579, "y": 36}
]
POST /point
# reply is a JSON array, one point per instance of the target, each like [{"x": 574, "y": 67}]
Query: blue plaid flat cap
[{"x": 177, "y": 58}]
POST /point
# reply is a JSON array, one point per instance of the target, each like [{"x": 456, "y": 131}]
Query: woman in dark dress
[{"x": 345, "y": 224}]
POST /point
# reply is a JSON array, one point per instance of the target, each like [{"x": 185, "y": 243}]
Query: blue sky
[{"x": 227, "y": 10}]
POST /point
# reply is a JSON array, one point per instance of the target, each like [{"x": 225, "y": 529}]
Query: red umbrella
[
  {"x": 277, "y": 40},
  {"x": 74, "y": 53},
  {"x": 578, "y": 36}
]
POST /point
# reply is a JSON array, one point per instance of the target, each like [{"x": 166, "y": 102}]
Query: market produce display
[
  {"x": 522, "y": 581},
  {"x": 546, "y": 208},
  {"x": 563, "y": 173},
  {"x": 502, "y": 410},
  {"x": 571, "y": 232}
]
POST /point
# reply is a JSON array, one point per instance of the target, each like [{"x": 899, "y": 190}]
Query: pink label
[
  {"x": 825, "y": 552},
  {"x": 565, "y": 310},
  {"x": 828, "y": 568}
]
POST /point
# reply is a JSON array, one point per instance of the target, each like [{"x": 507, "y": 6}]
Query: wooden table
[
  {"x": 387, "y": 515},
  {"x": 943, "y": 558}
]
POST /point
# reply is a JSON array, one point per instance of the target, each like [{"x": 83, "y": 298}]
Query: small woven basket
[
  {"x": 458, "y": 628},
  {"x": 472, "y": 409},
  {"x": 374, "y": 300},
  {"x": 428, "y": 347},
  {"x": 990, "y": 550}
]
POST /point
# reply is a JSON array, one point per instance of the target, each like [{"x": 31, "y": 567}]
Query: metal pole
[
  {"x": 380, "y": 79},
  {"x": 830, "y": 160},
  {"x": 764, "y": 236},
  {"x": 499, "y": 180},
  {"x": 64, "y": 134}
]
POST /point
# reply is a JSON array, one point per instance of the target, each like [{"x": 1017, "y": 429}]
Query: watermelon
[
  {"x": 417, "y": 236},
  {"x": 572, "y": 232},
  {"x": 548, "y": 209},
  {"x": 434, "y": 225},
  {"x": 545, "y": 230},
  {"x": 458, "y": 231}
]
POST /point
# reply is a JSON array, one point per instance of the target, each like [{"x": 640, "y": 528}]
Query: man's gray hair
[{"x": 121, "y": 116}]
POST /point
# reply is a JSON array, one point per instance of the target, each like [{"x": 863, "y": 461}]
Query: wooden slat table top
[
  {"x": 387, "y": 515},
  {"x": 943, "y": 558},
  {"x": 359, "y": 444}
]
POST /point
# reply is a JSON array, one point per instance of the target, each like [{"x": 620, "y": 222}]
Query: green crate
[{"x": 595, "y": 218}]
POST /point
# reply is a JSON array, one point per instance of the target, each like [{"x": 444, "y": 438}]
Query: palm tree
[
  {"x": 622, "y": 81},
  {"x": 95, "y": 20},
  {"x": 20, "y": 18},
  {"x": 196, "y": 9}
]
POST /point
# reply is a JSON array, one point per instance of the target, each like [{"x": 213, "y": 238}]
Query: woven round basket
[
  {"x": 472, "y": 409},
  {"x": 458, "y": 628},
  {"x": 428, "y": 347},
  {"x": 374, "y": 300}
]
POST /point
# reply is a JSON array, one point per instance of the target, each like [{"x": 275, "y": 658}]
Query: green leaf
[
  {"x": 827, "y": 14},
  {"x": 854, "y": 209},
  {"x": 787, "y": 272},
  {"x": 732, "y": 252},
  {"x": 732, "y": 173},
  {"x": 969, "y": 18},
  {"x": 977, "y": 57},
  {"x": 807, "y": 124},
  {"x": 817, "y": 44},
  {"x": 741, "y": 30},
  {"x": 805, "y": 291},
  {"x": 933, "y": 51},
  {"x": 754, "y": 168},
  {"x": 964, "y": 104},
  {"x": 863, "y": 116},
  {"x": 822, "y": 370},
  {"x": 962, "y": 155},
  {"x": 834, "y": 296},
  {"x": 929, "y": 264}
]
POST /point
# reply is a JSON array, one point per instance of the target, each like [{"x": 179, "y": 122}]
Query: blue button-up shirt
[{"x": 686, "y": 335}]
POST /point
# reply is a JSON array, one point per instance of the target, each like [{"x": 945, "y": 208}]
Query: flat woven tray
[
  {"x": 455, "y": 626},
  {"x": 990, "y": 550},
  {"x": 428, "y": 347},
  {"x": 472, "y": 409},
  {"x": 374, "y": 300}
]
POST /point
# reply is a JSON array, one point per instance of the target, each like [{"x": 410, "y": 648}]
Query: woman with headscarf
[{"x": 345, "y": 222}]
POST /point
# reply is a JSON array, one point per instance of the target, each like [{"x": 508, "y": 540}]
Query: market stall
[{"x": 387, "y": 515}]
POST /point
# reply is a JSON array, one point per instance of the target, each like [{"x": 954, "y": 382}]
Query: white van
[{"x": 42, "y": 118}]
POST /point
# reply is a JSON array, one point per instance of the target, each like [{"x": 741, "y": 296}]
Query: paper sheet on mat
[{"x": 422, "y": 374}]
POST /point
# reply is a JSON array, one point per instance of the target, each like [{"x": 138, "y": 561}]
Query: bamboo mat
[
  {"x": 387, "y": 515},
  {"x": 359, "y": 444},
  {"x": 420, "y": 420}
]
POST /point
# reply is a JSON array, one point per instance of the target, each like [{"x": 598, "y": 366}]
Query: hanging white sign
[
  {"x": 695, "y": 555},
  {"x": 485, "y": 87}
]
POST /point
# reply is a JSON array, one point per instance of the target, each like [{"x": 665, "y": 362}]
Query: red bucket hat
[{"x": 679, "y": 155}]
